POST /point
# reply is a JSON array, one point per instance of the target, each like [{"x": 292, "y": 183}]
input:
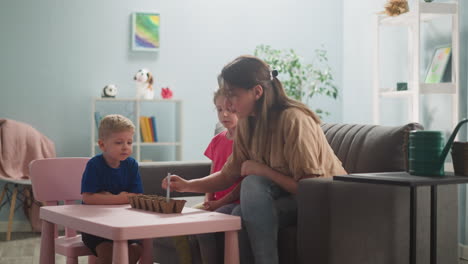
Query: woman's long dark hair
[{"x": 251, "y": 133}]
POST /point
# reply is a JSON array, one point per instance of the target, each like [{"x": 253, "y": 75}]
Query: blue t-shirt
[{"x": 99, "y": 177}]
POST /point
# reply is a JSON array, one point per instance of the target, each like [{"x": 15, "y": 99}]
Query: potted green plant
[{"x": 300, "y": 80}]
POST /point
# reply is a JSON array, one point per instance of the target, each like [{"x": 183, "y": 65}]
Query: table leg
[
  {"x": 433, "y": 224},
  {"x": 231, "y": 247},
  {"x": 120, "y": 252},
  {"x": 147, "y": 255},
  {"x": 413, "y": 221},
  {"x": 47, "y": 255}
]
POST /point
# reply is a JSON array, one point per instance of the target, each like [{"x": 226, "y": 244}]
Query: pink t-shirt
[{"x": 218, "y": 151}]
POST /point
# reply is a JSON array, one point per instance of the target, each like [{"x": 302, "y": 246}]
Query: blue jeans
[{"x": 264, "y": 208}]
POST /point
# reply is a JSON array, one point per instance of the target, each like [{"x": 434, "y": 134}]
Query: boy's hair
[{"x": 114, "y": 123}]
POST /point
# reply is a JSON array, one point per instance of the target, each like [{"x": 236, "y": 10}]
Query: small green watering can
[{"x": 427, "y": 152}]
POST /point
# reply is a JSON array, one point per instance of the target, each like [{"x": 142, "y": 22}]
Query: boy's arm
[{"x": 104, "y": 198}]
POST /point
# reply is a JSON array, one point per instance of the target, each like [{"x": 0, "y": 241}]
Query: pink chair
[{"x": 59, "y": 179}]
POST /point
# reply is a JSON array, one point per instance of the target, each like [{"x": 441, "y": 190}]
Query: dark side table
[{"x": 411, "y": 181}]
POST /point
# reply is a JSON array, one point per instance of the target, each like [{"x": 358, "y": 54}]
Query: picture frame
[
  {"x": 436, "y": 71},
  {"x": 145, "y": 31}
]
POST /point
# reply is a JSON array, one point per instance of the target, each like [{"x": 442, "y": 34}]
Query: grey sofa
[{"x": 342, "y": 222}]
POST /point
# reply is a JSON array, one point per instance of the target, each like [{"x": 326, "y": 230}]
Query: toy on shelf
[
  {"x": 109, "y": 91},
  {"x": 144, "y": 84},
  {"x": 166, "y": 93},
  {"x": 396, "y": 7}
]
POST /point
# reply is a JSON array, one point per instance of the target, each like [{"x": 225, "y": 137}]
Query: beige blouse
[{"x": 298, "y": 149}]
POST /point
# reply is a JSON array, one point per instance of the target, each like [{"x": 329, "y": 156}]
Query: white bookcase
[
  {"x": 133, "y": 109},
  {"x": 420, "y": 12}
]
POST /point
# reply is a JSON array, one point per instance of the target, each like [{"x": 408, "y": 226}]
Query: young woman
[{"x": 278, "y": 141}]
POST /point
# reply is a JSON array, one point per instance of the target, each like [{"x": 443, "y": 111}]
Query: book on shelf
[
  {"x": 148, "y": 130},
  {"x": 143, "y": 129},
  {"x": 151, "y": 131},
  {"x": 155, "y": 130}
]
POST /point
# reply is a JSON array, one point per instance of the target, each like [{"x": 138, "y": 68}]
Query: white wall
[
  {"x": 357, "y": 74},
  {"x": 56, "y": 55},
  {"x": 358, "y": 37}
]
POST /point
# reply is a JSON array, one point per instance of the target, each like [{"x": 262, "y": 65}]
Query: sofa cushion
[
  {"x": 370, "y": 148},
  {"x": 152, "y": 174}
]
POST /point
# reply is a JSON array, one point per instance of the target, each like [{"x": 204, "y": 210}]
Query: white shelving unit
[
  {"x": 420, "y": 12},
  {"x": 138, "y": 112}
]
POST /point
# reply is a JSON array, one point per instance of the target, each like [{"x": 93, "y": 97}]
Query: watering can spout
[{"x": 449, "y": 143}]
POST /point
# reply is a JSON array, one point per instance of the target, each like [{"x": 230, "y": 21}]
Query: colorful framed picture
[
  {"x": 436, "y": 70},
  {"x": 145, "y": 31}
]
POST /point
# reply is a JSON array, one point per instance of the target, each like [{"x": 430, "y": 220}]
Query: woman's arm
[
  {"x": 210, "y": 195},
  {"x": 211, "y": 183},
  {"x": 250, "y": 167},
  {"x": 287, "y": 183},
  {"x": 104, "y": 198}
]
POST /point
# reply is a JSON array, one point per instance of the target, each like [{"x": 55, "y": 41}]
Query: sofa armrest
[
  {"x": 313, "y": 218},
  {"x": 152, "y": 173},
  {"x": 345, "y": 222}
]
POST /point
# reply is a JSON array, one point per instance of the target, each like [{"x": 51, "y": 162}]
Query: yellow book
[
  {"x": 143, "y": 129},
  {"x": 147, "y": 136},
  {"x": 148, "y": 129}
]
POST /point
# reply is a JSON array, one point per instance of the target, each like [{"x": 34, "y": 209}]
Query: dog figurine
[{"x": 144, "y": 84}]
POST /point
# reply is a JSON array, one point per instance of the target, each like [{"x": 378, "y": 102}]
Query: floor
[{"x": 24, "y": 249}]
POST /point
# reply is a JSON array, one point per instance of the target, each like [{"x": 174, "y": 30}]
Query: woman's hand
[
  {"x": 177, "y": 184},
  {"x": 250, "y": 167}
]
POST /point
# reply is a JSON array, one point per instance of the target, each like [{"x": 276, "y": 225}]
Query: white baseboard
[
  {"x": 18, "y": 226},
  {"x": 463, "y": 251}
]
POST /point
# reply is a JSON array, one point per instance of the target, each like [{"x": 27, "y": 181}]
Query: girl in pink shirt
[{"x": 218, "y": 151}]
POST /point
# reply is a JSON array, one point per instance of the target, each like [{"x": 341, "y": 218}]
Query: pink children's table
[{"x": 121, "y": 223}]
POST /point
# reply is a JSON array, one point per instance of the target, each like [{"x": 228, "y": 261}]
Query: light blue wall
[
  {"x": 358, "y": 38},
  {"x": 56, "y": 55}
]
